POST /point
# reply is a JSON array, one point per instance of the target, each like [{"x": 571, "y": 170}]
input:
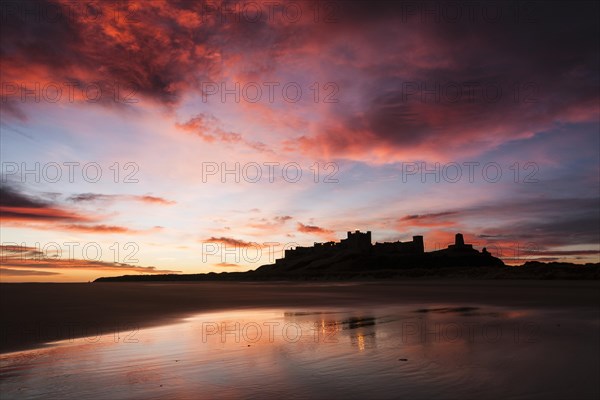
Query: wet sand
[
  {"x": 36, "y": 313},
  {"x": 381, "y": 352}
]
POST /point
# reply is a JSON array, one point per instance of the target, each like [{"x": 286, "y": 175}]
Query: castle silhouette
[
  {"x": 354, "y": 256},
  {"x": 360, "y": 242}
]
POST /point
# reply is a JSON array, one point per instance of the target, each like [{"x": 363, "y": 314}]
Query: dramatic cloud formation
[
  {"x": 430, "y": 94},
  {"x": 15, "y": 206},
  {"x": 355, "y": 87},
  {"x": 18, "y": 209},
  {"x": 314, "y": 229},
  {"x": 272, "y": 224},
  {"x": 149, "y": 49},
  {"x": 96, "y": 228},
  {"x": 83, "y": 197},
  {"x": 224, "y": 264},
  {"x": 436, "y": 219},
  {"x": 418, "y": 92},
  {"x": 229, "y": 242},
  {"x": 25, "y": 272},
  {"x": 204, "y": 127}
]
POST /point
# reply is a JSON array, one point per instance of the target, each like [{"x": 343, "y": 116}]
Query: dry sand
[{"x": 36, "y": 313}]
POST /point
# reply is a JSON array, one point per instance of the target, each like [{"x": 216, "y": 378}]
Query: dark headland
[{"x": 356, "y": 258}]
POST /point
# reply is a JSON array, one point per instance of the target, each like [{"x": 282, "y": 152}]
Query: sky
[{"x": 146, "y": 137}]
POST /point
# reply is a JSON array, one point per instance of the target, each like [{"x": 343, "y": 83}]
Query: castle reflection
[
  {"x": 359, "y": 331},
  {"x": 363, "y": 340}
]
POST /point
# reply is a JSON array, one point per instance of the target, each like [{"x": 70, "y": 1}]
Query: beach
[
  {"x": 36, "y": 313},
  {"x": 420, "y": 339}
]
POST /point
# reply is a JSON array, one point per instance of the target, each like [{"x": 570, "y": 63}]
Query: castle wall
[
  {"x": 359, "y": 241},
  {"x": 414, "y": 247}
]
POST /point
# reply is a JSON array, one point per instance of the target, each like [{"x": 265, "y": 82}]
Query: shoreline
[{"x": 37, "y": 313}]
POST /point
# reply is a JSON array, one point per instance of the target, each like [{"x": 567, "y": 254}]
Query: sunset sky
[{"x": 146, "y": 137}]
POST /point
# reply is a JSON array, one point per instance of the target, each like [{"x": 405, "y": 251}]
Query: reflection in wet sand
[{"x": 447, "y": 351}]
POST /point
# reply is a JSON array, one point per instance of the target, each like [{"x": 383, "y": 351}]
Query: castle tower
[
  {"x": 418, "y": 245},
  {"x": 459, "y": 241}
]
